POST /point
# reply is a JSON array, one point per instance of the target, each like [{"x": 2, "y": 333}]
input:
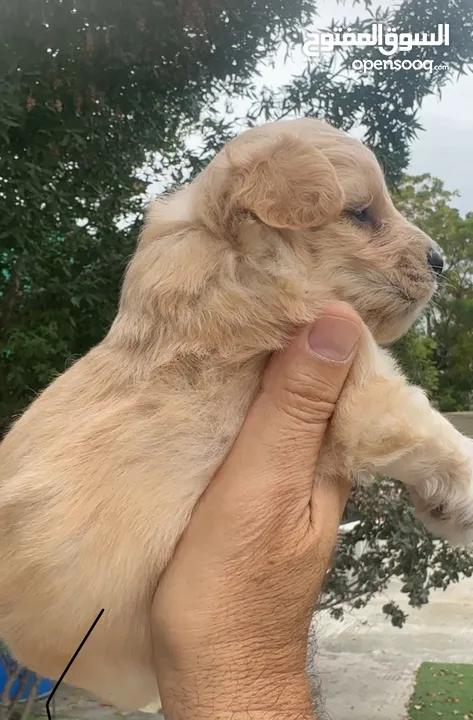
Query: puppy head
[
  {"x": 289, "y": 216},
  {"x": 319, "y": 196}
]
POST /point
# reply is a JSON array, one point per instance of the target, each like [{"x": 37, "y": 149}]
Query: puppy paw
[{"x": 444, "y": 503}]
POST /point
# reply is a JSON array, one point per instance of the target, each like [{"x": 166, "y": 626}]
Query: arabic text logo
[{"x": 388, "y": 43}]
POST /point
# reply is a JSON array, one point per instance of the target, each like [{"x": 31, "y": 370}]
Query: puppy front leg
[
  {"x": 438, "y": 472},
  {"x": 390, "y": 428}
]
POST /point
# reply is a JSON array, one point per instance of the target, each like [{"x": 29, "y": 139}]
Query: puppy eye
[{"x": 361, "y": 216}]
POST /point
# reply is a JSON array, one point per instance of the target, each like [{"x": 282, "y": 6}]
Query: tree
[
  {"x": 448, "y": 324},
  {"x": 385, "y": 102},
  {"x": 90, "y": 93},
  {"x": 390, "y": 543}
]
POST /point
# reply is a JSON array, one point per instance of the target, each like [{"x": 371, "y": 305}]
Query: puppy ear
[{"x": 286, "y": 182}]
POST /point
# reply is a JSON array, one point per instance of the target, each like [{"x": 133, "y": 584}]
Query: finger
[{"x": 285, "y": 427}]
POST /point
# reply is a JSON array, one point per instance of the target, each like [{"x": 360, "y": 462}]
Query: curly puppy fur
[{"x": 99, "y": 477}]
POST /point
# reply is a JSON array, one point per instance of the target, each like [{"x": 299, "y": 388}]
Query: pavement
[{"x": 362, "y": 668}]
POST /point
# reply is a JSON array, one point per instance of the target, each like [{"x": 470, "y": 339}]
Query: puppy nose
[{"x": 435, "y": 260}]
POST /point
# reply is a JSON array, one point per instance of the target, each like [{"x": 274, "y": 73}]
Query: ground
[
  {"x": 364, "y": 668},
  {"x": 444, "y": 691}
]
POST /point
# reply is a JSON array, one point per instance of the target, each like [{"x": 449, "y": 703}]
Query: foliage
[
  {"x": 385, "y": 102},
  {"x": 389, "y": 542},
  {"x": 90, "y": 93},
  {"x": 443, "y": 350}
]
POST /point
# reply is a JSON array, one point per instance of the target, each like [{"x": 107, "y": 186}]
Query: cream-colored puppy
[{"x": 100, "y": 475}]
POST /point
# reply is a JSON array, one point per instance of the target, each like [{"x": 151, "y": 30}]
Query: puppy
[{"x": 99, "y": 477}]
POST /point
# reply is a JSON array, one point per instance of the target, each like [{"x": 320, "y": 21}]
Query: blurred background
[{"x": 106, "y": 103}]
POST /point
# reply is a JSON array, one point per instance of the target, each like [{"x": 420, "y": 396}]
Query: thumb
[{"x": 285, "y": 427}]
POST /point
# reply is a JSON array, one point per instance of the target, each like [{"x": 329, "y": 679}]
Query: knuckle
[{"x": 308, "y": 399}]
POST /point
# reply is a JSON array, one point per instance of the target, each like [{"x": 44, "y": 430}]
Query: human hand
[{"x": 232, "y": 611}]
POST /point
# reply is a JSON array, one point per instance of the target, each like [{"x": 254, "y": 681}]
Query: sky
[{"x": 445, "y": 146}]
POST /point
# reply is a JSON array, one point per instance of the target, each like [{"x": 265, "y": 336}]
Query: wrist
[{"x": 236, "y": 696}]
